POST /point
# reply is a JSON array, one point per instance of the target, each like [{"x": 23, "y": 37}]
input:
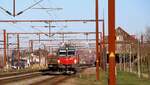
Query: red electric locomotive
[{"x": 66, "y": 60}]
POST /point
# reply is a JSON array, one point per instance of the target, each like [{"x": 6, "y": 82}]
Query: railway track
[
  {"x": 36, "y": 78},
  {"x": 58, "y": 79},
  {"x": 16, "y": 73},
  {"x": 18, "y": 77},
  {"x": 55, "y": 80}
]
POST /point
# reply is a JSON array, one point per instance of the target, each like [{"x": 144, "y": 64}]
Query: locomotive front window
[
  {"x": 62, "y": 53},
  {"x": 71, "y": 52}
]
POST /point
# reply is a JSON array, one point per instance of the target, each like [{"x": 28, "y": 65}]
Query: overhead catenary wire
[
  {"x": 9, "y": 13},
  {"x": 48, "y": 14},
  {"x": 42, "y": 32},
  {"x": 61, "y": 29},
  {"x": 29, "y": 7},
  {"x": 6, "y": 11},
  {"x": 47, "y": 11},
  {"x": 17, "y": 27}
]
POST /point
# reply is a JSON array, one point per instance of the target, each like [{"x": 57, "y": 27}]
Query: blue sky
[{"x": 132, "y": 15}]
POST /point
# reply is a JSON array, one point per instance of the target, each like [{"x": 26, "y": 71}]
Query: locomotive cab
[{"x": 66, "y": 59}]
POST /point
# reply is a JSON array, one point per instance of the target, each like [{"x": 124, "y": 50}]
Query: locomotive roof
[{"x": 68, "y": 47}]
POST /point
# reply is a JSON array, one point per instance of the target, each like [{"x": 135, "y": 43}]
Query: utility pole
[
  {"x": 8, "y": 51},
  {"x": 31, "y": 50},
  {"x": 39, "y": 50},
  {"x": 104, "y": 58},
  {"x": 40, "y": 56},
  {"x": 103, "y": 38},
  {"x": 5, "y": 46},
  {"x": 18, "y": 48},
  {"x": 39, "y": 38},
  {"x": 100, "y": 50},
  {"x": 45, "y": 56},
  {"x": 111, "y": 41},
  {"x": 86, "y": 34},
  {"x": 31, "y": 45},
  {"x": 14, "y": 8},
  {"x": 49, "y": 29},
  {"x": 63, "y": 37},
  {"x": 97, "y": 39}
]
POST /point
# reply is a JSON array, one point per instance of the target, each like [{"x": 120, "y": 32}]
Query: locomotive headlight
[
  {"x": 58, "y": 61},
  {"x": 75, "y": 61}
]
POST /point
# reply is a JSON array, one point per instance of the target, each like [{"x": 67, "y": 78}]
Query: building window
[{"x": 119, "y": 38}]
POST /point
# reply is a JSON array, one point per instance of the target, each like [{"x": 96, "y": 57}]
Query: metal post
[
  {"x": 97, "y": 39},
  {"x": 63, "y": 36},
  {"x": 18, "y": 48},
  {"x": 7, "y": 41},
  {"x": 45, "y": 56},
  {"x": 49, "y": 29},
  {"x": 14, "y": 8},
  {"x": 111, "y": 41},
  {"x": 39, "y": 56},
  {"x": 5, "y": 46},
  {"x": 103, "y": 35},
  {"x": 8, "y": 51},
  {"x": 100, "y": 51},
  {"x": 39, "y": 38},
  {"x": 31, "y": 45},
  {"x": 31, "y": 50},
  {"x": 103, "y": 46},
  {"x": 87, "y": 37}
]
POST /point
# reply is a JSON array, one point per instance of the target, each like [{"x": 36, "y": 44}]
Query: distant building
[{"x": 125, "y": 43}]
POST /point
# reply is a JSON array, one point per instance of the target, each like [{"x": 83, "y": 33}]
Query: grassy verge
[
  {"x": 123, "y": 78},
  {"x": 126, "y": 78},
  {"x": 90, "y": 79}
]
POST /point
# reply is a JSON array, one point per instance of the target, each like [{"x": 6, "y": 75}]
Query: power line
[
  {"x": 9, "y": 13},
  {"x": 12, "y": 23},
  {"x": 29, "y": 7},
  {"x": 49, "y": 13}
]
